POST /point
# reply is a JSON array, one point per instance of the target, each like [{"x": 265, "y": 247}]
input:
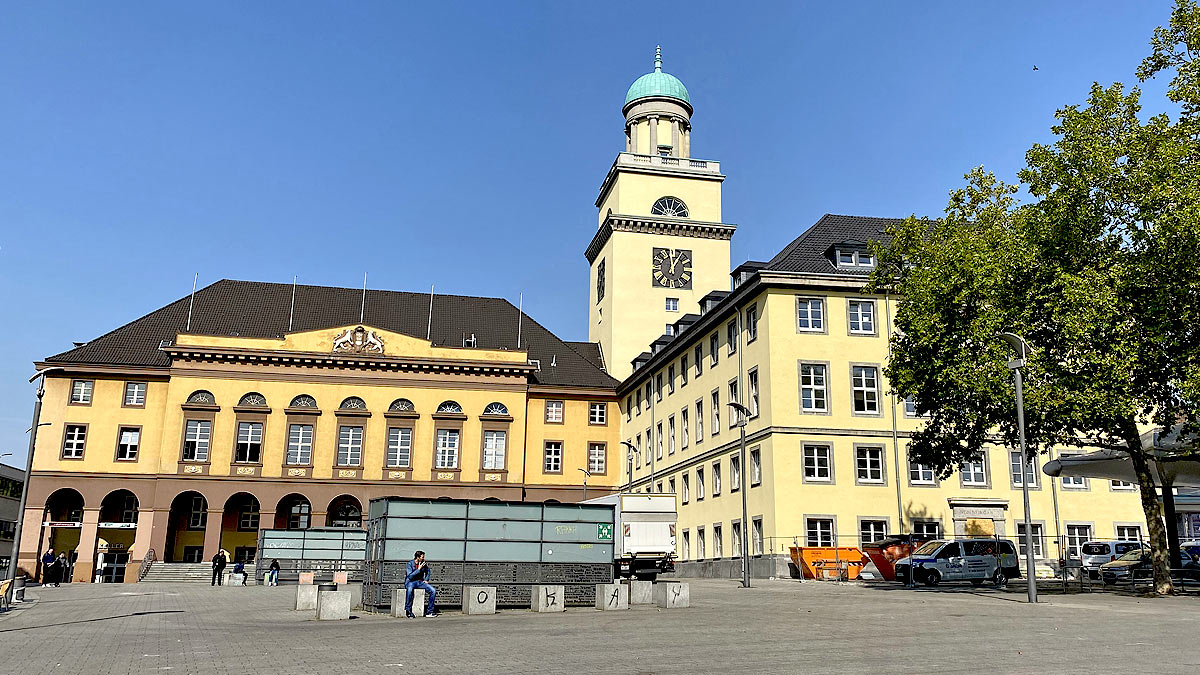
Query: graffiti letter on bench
[
  {"x": 551, "y": 598},
  {"x": 613, "y": 599}
]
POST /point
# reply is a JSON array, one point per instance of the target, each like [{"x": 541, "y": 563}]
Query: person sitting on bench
[{"x": 416, "y": 574}]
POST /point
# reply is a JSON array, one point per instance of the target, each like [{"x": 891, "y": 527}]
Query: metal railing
[{"x": 147, "y": 560}]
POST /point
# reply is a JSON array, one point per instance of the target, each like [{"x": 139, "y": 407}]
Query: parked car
[
  {"x": 1134, "y": 562},
  {"x": 1096, "y": 553},
  {"x": 974, "y": 560}
]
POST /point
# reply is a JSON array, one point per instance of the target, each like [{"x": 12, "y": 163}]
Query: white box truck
[{"x": 644, "y": 534}]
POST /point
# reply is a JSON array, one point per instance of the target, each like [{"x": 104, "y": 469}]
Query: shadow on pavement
[{"x": 99, "y": 618}]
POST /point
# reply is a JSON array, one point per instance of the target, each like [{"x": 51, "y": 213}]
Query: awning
[{"x": 1115, "y": 465}]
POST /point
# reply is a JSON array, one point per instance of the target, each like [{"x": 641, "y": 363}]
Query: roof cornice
[
  {"x": 317, "y": 359},
  {"x": 615, "y": 222}
]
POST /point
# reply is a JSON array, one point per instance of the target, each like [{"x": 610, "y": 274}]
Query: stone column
[
  {"x": 628, "y": 136},
  {"x": 85, "y": 552},
  {"x": 675, "y": 149},
  {"x": 143, "y": 538},
  {"x": 212, "y": 533},
  {"x": 32, "y": 544},
  {"x": 687, "y": 143},
  {"x": 633, "y": 136},
  {"x": 654, "y": 134},
  {"x": 317, "y": 518}
]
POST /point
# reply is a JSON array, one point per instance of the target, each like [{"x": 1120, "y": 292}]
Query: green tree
[{"x": 1099, "y": 271}]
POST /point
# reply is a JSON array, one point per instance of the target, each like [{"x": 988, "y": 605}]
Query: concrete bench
[
  {"x": 479, "y": 600},
  {"x": 418, "y": 606},
  {"x": 306, "y": 598},
  {"x": 612, "y": 596},
  {"x": 548, "y": 599},
  {"x": 672, "y": 595},
  {"x": 333, "y": 605}
]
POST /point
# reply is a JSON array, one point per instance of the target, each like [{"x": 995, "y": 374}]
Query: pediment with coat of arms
[{"x": 358, "y": 340}]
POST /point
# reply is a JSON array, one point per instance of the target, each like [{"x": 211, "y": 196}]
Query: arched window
[
  {"x": 253, "y": 400},
  {"x": 353, "y": 403},
  {"x": 402, "y": 405},
  {"x": 449, "y": 407},
  {"x": 670, "y": 206},
  {"x": 202, "y": 396},
  {"x": 303, "y": 401},
  {"x": 496, "y": 408}
]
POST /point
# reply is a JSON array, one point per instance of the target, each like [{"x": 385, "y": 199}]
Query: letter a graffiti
[{"x": 612, "y": 600}]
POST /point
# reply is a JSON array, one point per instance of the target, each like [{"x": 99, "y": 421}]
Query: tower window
[
  {"x": 670, "y": 206},
  {"x": 600, "y": 281},
  {"x": 672, "y": 304}
]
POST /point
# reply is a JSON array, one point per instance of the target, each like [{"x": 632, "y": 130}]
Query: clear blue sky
[{"x": 463, "y": 144}]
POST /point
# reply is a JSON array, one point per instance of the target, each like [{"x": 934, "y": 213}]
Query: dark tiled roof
[
  {"x": 257, "y": 309},
  {"x": 809, "y": 251},
  {"x": 589, "y": 351}
]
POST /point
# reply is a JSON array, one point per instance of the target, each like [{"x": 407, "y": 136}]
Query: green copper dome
[{"x": 657, "y": 83}]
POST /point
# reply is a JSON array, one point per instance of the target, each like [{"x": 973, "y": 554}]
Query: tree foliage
[{"x": 1099, "y": 271}]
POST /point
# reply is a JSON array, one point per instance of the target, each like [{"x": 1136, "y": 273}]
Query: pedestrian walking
[
  {"x": 47, "y": 567},
  {"x": 416, "y": 575},
  {"x": 218, "y": 568},
  {"x": 273, "y": 574},
  {"x": 64, "y": 569}
]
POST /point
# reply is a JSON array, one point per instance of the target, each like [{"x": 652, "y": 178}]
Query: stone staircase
[{"x": 193, "y": 573}]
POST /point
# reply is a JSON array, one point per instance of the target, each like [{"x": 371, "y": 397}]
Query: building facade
[
  {"x": 256, "y": 406},
  {"x": 11, "y": 482}
]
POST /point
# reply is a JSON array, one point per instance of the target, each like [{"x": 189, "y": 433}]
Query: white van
[
  {"x": 1096, "y": 553},
  {"x": 974, "y": 560}
]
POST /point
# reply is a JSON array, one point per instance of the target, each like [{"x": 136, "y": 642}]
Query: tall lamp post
[
  {"x": 1021, "y": 348},
  {"x": 629, "y": 451},
  {"x": 40, "y": 376},
  {"x": 586, "y": 475},
  {"x": 743, "y": 414}
]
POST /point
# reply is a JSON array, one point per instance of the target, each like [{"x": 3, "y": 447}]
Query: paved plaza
[{"x": 777, "y": 627}]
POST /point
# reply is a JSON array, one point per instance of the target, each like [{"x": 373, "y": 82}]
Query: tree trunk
[{"x": 1159, "y": 557}]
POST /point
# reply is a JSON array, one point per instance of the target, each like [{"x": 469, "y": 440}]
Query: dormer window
[{"x": 853, "y": 257}]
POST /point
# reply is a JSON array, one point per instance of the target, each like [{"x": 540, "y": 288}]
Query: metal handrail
[{"x": 147, "y": 560}]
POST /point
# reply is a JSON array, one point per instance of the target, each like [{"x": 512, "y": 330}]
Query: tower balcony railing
[{"x": 685, "y": 163}]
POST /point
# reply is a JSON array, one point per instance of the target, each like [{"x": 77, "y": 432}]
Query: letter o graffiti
[{"x": 481, "y": 597}]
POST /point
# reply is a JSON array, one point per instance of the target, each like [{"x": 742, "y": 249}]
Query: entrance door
[
  {"x": 113, "y": 570},
  {"x": 193, "y": 554}
]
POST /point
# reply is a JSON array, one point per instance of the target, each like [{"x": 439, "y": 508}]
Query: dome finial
[{"x": 658, "y": 59}]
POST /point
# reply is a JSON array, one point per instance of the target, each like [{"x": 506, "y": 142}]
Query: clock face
[{"x": 671, "y": 269}]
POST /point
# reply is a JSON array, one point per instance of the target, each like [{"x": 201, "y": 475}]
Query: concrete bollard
[
  {"x": 672, "y": 595},
  {"x": 479, "y": 600},
  {"x": 612, "y": 596},
  {"x": 548, "y": 599},
  {"x": 306, "y": 598},
  {"x": 355, "y": 595},
  {"x": 306, "y": 578},
  {"x": 418, "y": 607},
  {"x": 340, "y": 578},
  {"x": 333, "y": 605},
  {"x": 641, "y": 592}
]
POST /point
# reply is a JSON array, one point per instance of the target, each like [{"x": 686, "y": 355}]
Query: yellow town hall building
[{"x": 258, "y": 405}]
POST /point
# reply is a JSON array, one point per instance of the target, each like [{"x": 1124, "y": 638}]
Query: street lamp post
[
  {"x": 629, "y": 451},
  {"x": 743, "y": 414},
  {"x": 1021, "y": 348},
  {"x": 40, "y": 376},
  {"x": 586, "y": 475}
]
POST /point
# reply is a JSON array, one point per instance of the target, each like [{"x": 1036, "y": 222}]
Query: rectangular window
[
  {"x": 672, "y": 304},
  {"x": 699, "y": 359},
  {"x": 817, "y": 463},
  {"x": 81, "y": 392},
  {"x": 671, "y": 484},
  {"x": 638, "y": 441},
  {"x": 714, "y": 344},
  {"x": 756, "y": 537},
  {"x": 1073, "y": 482},
  {"x": 135, "y": 394},
  {"x": 671, "y": 379},
  {"x": 196, "y": 438},
  {"x": 814, "y": 393},
  {"x": 1016, "y": 467},
  {"x": 658, "y": 384},
  {"x": 735, "y": 537},
  {"x": 1122, "y": 485},
  {"x": 868, "y": 465},
  {"x": 552, "y": 462},
  {"x": 734, "y": 397},
  {"x": 1076, "y": 536},
  {"x": 862, "y": 317},
  {"x": 1038, "y": 546},
  {"x": 300, "y": 441},
  {"x": 683, "y": 370},
  {"x": 598, "y": 413},
  {"x": 639, "y": 401},
  {"x": 399, "y": 447},
  {"x": 910, "y": 406},
  {"x": 927, "y": 528},
  {"x": 870, "y": 531},
  {"x": 683, "y": 428},
  {"x": 248, "y": 520},
  {"x": 751, "y": 323},
  {"x": 699, "y": 421},
  {"x": 687, "y": 545},
  {"x": 810, "y": 315},
  {"x": 700, "y": 542},
  {"x": 752, "y": 382},
  {"x": 731, "y": 336},
  {"x": 198, "y": 513},
  {"x": 687, "y": 492},
  {"x": 669, "y": 330},
  {"x": 495, "y": 445},
  {"x": 735, "y": 473},
  {"x": 350, "y": 440},
  {"x": 718, "y": 543},
  {"x": 446, "y": 456},
  {"x": 628, "y": 408},
  {"x": 128, "y": 440},
  {"x": 974, "y": 472},
  {"x": 648, "y": 407},
  {"x": 716, "y": 479},
  {"x": 920, "y": 474},
  {"x": 716, "y": 412},
  {"x": 671, "y": 435},
  {"x": 554, "y": 411},
  {"x": 699, "y": 483},
  {"x": 818, "y": 531},
  {"x": 249, "y": 443},
  {"x": 755, "y": 467},
  {"x": 598, "y": 459},
  {"x": 864, "y": 383},
  {"x": 1129, "y": 533}
]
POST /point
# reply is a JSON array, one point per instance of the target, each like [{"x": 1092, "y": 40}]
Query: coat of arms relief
[{"x": 358, "y": 340}]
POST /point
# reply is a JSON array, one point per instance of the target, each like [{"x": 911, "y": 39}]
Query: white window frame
[
  {"x": 598, "y": 413},
  {"x": 735, "y": 473},
  {"x": 810, "y": 314},
  {"x": 448, "y": 444},
  {"x": 716, "y": 411},
  {"x": 1039, "y": 539},
  {"x": 820, "y": 531},
  {"x": 128, "y": 446},
  {"x": 683, "y": 428},
  {"x": 813, "y": 468},
  {"x": 752, "y": 323},
  {"x": 658, "y": 444},
  {"x": 597, "y": 458},
  {"x": 138, "y": 390},
  {"x": 554, "y": 411},
  {"x": 350, "y": 444},
  {"x": 249, "y": 442},
  {"x": 699, "y": 420},
  {"x": 868, "y": 465},
  {"x": 755, "y": 466},
  {"x": 752, "y": 383},
  {"x": 874, "y": 535},
  {"x": 967, "y": 469},
  {"x": 917, "y": 473},
  {"x": 672, "y": 304},
  {"x": 81, "y": 391},
  {"x": 552, "y": 457},
  {"x": 198, "y": 432},
  {"x": 1015, "y": 463},
  {"x": 300, "y": 444},
  {"x": 861, "y": 316},
  {"x": 814, "y": 383},
  {"x": 716, "y": 479},
  {"x": 495, "y": 449},
  {"x": 756, "y": 535},
  {"x": 864, "y": 382},
  {"x": 671, "y": 435}
]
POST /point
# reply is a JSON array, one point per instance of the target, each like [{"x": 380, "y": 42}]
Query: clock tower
[{"x": 661, "y": 245}]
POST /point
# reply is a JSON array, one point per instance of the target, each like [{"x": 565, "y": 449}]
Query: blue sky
[{"x": 462, "y": 144}]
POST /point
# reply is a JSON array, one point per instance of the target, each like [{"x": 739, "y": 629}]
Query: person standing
[
  {"x": 48, "y": 568},
  {"x": 416, "y": 575},
  {"x": 218, "y": 567},
  {"x": 64, "y": 569},
  {"x": 273, "y": 574}
]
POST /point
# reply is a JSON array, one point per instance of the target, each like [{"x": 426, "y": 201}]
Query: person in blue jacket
[{"x": 416, "y": 575}]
